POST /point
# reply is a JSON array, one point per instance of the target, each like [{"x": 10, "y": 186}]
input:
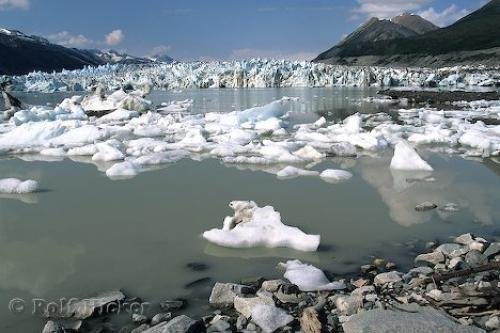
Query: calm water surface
[{"x": 85, "y": 233}]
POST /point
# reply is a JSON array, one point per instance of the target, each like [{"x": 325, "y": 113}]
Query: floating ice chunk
[
  {"x": 80, "y": 135},
  {"x": 87, "y": 150},
  {"x": 177, "y": 106},
  {"x": 309, "y": 278},
  {"x": 321, "y": 122},
  {"x": 161, "y": 158},
  {"x": 124, "y": 169},
  {"x": 106, "y": 153},
  {"x": 258, "y": 114},
  {"x": 17, "y": 186},
  {"x": 291, "y": 172},
  {"x": 335, "y": 176},
  {"x": 406, "y": 158},
  {"x": 308, "y": 153},
  {"x": 118, "y": 115},
  {"x": 270, "y": 318},
  {"x": 194, "y": 137},
  {"x": 53, "y": 152},
  {"x": 31, "y": 134},
  {"x": 352, "y": 124},
  {"x": 270, "y": 124},
  {"x": 263, "y": 229}
]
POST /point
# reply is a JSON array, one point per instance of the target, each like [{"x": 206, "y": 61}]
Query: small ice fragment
[
  {"x": 123, "y": 169},
  {"x": 291, "y": 172},
  {"x": 17, "y": 186},
  {"x": 335, "y": 176},
  {"x": 259, "y": 227},
  {"x": 406, "y": 158},
  {"x": 309, "y": 278}
]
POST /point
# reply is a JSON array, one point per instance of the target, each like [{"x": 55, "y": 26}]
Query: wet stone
[
  {"x": 475, "y": 258},
  {"x": 171, "y": 305},
  {"x": 425, "y": 206}
]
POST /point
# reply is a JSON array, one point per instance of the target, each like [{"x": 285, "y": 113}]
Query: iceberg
[
  {"x": 335, "y": 176},
  {"x": 308, "y": 277},
  {"x": 17, "y": 186},
  {"x": 262, "y": 227},
  {"x": 406, "y": 158}
]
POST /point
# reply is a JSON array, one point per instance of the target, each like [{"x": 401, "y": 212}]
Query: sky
[{"x": 213, "y": 29}]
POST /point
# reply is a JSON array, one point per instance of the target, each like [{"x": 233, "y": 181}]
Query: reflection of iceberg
[
  {"x": 401, "y": 191},
  {"x": 28, "y": 198},
  {"x": 223, "y": 252}
]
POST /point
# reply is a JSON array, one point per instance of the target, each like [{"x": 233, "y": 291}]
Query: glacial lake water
[{"x": 84, "y": 233}]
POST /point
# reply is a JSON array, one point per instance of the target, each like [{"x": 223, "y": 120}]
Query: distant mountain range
[
  {"x": 21, "y": 54},
  {"x": 411, "y": 40}
]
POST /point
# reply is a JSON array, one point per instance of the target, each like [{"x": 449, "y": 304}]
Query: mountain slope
[
  {"x": 20, "y": 54},
  {"x": 376, "y": 30},
  {"x": 415, "y": 23},
  {"x": 476, "y": 32}
]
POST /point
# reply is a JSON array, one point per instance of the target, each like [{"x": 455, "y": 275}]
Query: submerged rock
[
  {"x": 425, "y": 206},
  {"x": 410, "y": 319}
]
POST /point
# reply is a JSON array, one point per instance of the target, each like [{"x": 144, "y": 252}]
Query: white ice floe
[
  {"x": 308, "y": 277},
  {"x": 124, "y": 169},
  {"x": 261, "y": 227},
  {"x": 291, "y": 172},
  {"x": 335, "y": 176},
  {"x": 17, "y": 186},
  {"x": 406, "y": 158}
]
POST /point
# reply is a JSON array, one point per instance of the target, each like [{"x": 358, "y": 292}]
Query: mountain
[
  {"x": 115, "y": 57},
  {"x": 474, "y": 38},
  {"x": 415, "y": 23},
  {"x": 21, "y": 54},
  {"x": 377, "y": 30},
  {"x": 162, "y": 58}
]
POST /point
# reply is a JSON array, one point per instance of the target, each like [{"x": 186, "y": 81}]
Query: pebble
[
  {"x": 160, "y": 317},
  {"x": 389, "y": 277},
  {"x": 433, "y": 258}
]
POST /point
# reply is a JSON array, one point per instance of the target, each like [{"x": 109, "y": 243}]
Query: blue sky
[{"x": 212, "y": 29}]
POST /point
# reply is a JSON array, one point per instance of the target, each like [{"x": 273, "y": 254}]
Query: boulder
[
  {"x": 180, "y": 324},
  {"x": 433, "y": 258},
  {"x": 270, "y": 318},
  {"x": 410, "y": 319},
  {"x": 245, "y": 305},
  {"x": 223, "y": 294},
  {"x": 389, "y": 277}
]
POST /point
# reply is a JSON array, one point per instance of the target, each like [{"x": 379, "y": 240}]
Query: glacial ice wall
[{"x": 255, "y": 73}]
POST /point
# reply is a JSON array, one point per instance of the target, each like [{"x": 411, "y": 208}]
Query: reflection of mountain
[
  {"x": 22, "y": 268},
  {"x": 402, "y": 191}
]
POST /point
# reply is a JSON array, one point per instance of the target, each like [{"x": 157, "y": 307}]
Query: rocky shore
[{"x": 453, "y": 287}]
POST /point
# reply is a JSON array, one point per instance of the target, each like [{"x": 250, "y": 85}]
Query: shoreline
[{"x": 454, "y": 287}]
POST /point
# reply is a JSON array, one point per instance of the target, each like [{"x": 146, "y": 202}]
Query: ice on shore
[
  {"x": 308, "y": 277},
  {"x": 17, "y": 186},
  {"x": 406, "y": 158},
  {"x": 260, "y": 227}
]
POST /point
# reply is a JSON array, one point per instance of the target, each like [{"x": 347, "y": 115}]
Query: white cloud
[
  {"x": 248, "y": 53},
  {"x": 446, "y": 17},
  {"x": 14, "y": 4},
  {"x": 67, "y": 39},
  {"x": 115, "y": 37},
  {"x": 387, "y": 8},
  {"x": 160, "y": 50}
]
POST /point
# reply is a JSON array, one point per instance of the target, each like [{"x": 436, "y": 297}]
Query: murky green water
[{"x": 85, "y": 233}]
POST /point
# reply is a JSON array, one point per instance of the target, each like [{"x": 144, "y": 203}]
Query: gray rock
[
  {"x": 389, "y": 277},
  {"x": 245, "y": 305},
  {"x": 455, "y": 263},
  {"x": 272, "y": 285},
  {"x": 139, "y": 318},
  {"x": 492, "y": 323},
  {"x": 180, "y": 324},
  {"x": 412, "y": 319},
  {"x": 464, "y": 239},
  {"x": 141, "y": 328},
  {"x": 241, "y": 322},
  {"x": 160, "y": 317},
  {"x": 452, "y": 250},
  {"x": 219, "y": 324},
  {"x": 433, "y": 258},
  {"x": 223, "y": 294},
  {"x": 52, "y": 327},
  {"x": 475, "y": 258},
  {"x": 270, "y": 318},
  {"x": 170, "y": 305},
  {"x": 85, "y": 308},
  {"x": 425, "y": 206},
  {"x": 492, "y": 250},
  {"x": 349, "y": 305}
]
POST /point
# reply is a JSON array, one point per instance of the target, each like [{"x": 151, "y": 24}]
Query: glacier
[{"x": 254, "y": 73}]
